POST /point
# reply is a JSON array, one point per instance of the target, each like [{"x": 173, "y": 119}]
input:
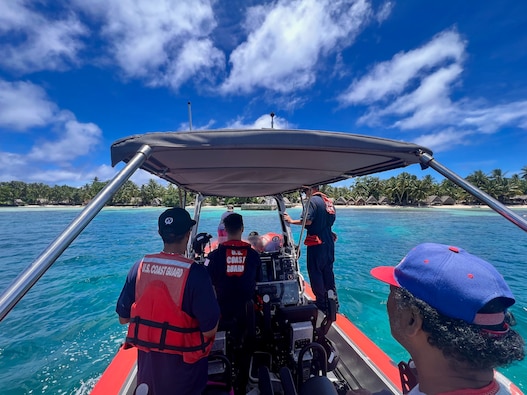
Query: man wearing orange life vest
[
  {"x": 320, "y": 242},
  {"x": 172, "y": 312}
]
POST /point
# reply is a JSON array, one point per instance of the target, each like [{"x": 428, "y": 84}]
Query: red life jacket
[
  {"x": 235, "y": 256},
  {"x": 157, "y": 321},
  {"x": 330, "y": 208}
]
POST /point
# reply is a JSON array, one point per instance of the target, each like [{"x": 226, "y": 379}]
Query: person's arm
[
  {"x": 207, "y": 335},
  {"x": 292, "y": 221},
  {"x": 127, "y": 296},
  {"x": 211, "y": 270},
  {"x": 199, "y": 300}
]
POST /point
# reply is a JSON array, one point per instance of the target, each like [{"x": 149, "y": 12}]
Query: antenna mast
[
  {"x": 189, "y": 116},
  {"x": 272, "y": 120}
]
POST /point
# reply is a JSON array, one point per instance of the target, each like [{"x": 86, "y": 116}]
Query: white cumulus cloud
[
  {"x": 490, "y": 118},
  {"x": 426, "y": 104},
  {"x": 24, "y": 105},
  {"x": 384, "y": 11},
  {"x": 163, "y": 42},
  {"x": 413, "y": 91},
  {"x": 443, "y": 140},
  {"x": 392, "y": 77},
  {"x": 287, "y": 39},
  {"x": 263, "y": 121},
  {"x": 75, "y": 139},
  {"x": 42, "y": 42}
]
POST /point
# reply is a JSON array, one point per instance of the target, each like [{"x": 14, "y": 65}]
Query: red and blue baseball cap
[{"x": 451, "y": 280}]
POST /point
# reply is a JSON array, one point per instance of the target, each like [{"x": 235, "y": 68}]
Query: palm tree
[
  {"x": 367, "y": 186},
  {"x": 524, "y": 172},
  {"x": 5, "y": 193},
  {"x": 402, "y": 189},
  {"x": 427, "y": 187},
  {"x": 498, "y": 186},
  {"x": 95, "y": 187},
  {"x": 515, "y": 186},
  {"x": 151, "y": 191},
  {"x": 478, "y": 179},
  {"x": 171, "y": 196},
  {"x": 448, "y": 188},
  {"x": 126, "y": 193}
]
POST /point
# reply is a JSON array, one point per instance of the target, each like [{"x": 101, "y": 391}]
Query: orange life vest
[
  {"x": 157, "y": 321},
  {"x": 330, "y": 208},
  {"x": 235, "y": 255}
]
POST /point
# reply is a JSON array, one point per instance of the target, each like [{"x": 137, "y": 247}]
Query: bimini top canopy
[{"x": 263, "y": 162}]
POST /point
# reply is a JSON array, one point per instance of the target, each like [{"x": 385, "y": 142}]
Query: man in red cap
[
  {"x": 172, "y": 312},
  {"x": 448, "y": 309}
]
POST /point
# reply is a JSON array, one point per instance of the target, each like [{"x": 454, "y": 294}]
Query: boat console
[
  {"x": 278, "y": 266},
  {"x": 282, "y": 329},
  {"x": 280, "y": 280}
]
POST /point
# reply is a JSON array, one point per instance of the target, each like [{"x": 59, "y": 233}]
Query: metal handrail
[
  {"x": 304, "y": 219},
  {"x": 198, "y": 203},
  {"x": 428, "y": 160},
  {"x": 25, "y": 280}
]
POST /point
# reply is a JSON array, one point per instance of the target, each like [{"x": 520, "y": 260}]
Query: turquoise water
[{"x": 62, "y": 335}]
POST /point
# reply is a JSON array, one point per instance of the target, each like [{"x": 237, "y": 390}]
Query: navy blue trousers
[{"x": 320, "y": 260}]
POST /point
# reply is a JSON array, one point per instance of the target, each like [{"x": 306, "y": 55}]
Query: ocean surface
[{"x": 62, "y": 335}]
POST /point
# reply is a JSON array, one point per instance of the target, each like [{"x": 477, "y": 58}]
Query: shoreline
[{"x": 438, "y": 206}]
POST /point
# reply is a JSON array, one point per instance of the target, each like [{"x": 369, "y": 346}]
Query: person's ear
[{"x": 414, "y": 322}]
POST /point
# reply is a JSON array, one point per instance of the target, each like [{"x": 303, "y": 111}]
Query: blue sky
[{"x": 76, "y": 76}]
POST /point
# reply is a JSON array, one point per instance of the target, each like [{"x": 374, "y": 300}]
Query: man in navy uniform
[
  {"x": 169, "y": 303},
  {"x": 320, "y": 242}
]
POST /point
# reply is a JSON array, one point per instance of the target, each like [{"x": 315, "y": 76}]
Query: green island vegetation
[{"x": 404, "y": 189}]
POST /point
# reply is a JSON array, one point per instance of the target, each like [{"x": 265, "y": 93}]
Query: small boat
[
  {"x": 258, "y": 206},
  {"x": 292, "y": 342},
  {"x": 266, "y": 203}
]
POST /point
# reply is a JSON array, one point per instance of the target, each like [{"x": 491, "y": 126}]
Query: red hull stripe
[
  {"x": 115, "y": 375},
  {"x": 378, "y": 357}
]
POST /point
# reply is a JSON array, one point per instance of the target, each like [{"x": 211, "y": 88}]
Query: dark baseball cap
[{"x": 175, "y": 220}]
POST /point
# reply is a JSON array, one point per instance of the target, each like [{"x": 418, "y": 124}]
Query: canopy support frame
[{"x": 25, "y": 280}]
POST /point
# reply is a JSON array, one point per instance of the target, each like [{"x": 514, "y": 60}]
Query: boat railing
[{"x": 25, "y": 280}]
